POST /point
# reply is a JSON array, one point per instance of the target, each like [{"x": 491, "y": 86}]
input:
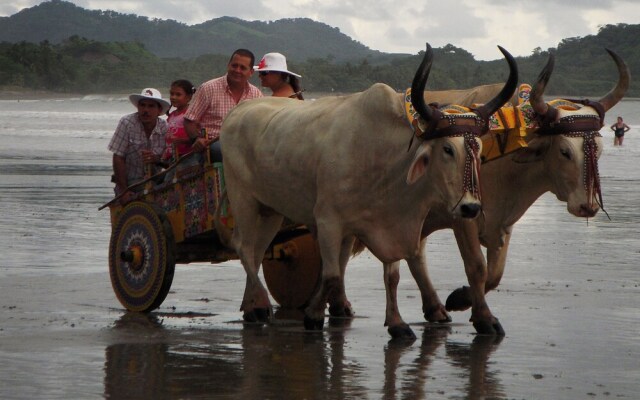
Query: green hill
[
  {"x": 299, "y": 38},
  {"x": 58, "y": 46}
]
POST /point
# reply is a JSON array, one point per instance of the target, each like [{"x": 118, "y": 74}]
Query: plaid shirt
[
  {"x": 213, "y": 101},
  {"x": 129, "y": 139}
]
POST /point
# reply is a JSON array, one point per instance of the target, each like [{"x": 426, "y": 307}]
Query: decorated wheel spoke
[{"x": 141, "y": 257}]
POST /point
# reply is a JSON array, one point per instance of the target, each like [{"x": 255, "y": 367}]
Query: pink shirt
[
  {"x": 175, "y": 131},
  {"x": 211, "y": 103}
]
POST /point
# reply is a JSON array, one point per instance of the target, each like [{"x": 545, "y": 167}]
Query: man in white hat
[
  {"x": 215, "y": 98},
  {"x": 139, "y": 139}
]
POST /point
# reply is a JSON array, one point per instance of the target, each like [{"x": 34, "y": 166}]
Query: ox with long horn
[
  {"x": 433, "y": 123},
  {"x": 340, "y": 166},
  {"x": 584, "y": 123}
]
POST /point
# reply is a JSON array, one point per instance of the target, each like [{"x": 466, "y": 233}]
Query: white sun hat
[
  {"x": 274, "y": 62},
  {"x": 151, "y": 94}
]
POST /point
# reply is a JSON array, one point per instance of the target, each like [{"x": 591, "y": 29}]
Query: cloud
[{"x": 478, "y": 26}]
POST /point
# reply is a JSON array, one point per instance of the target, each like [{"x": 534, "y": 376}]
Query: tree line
[{"x": 80, "y": 65}]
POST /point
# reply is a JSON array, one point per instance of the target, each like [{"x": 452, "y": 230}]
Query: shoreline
[{"x": 29, "y": 94}]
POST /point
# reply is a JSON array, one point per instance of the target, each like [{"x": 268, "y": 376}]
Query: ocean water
[
  {"x": 55, "y": 171},
  {"x": 569, "y": 299}
]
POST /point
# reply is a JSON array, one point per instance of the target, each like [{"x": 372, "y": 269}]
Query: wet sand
[{"x": 572, "y": 333}]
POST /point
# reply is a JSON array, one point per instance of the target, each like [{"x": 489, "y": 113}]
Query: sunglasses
[{"x": 264, "y": 73}]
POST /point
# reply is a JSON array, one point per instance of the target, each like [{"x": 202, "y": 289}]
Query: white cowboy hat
[
  {"x": 151, "y": 94},
  {"x": 274, "y": 62}
]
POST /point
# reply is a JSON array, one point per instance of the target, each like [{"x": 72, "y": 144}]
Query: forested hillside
[
  {"x": 110, "y": 61},
  {"x": 300, "y": 38}
]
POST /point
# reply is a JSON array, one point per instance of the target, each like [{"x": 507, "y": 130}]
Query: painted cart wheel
[
  {"x": 141, "y": 257},
  {"x": 293, "y": 279}
]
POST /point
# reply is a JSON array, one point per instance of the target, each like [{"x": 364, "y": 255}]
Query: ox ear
[
  {"x": 419, "y": 164},
  {"x": 535, "y": 150}
]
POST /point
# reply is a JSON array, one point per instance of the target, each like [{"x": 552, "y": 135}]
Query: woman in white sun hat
[{"x": 274, "y": 75}]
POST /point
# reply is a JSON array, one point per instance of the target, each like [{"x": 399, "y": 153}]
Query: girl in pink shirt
[{"x": 180, "y": 95}]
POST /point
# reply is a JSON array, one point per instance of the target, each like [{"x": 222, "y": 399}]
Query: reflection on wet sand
[
  {"x": 147, "y": 360},
  {"x": 150, "y": 362},
  {"x": 414, "y": 382},
  {"x": 474, "y": 358}
]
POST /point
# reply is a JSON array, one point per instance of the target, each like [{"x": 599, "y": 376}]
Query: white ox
[
  {"x": 346, "y": 167},
  {"x": 562, "y": 157}
]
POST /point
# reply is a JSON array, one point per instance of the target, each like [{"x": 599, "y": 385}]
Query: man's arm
[
  {"x": 120, "y": 179},
  {"x": 120, "y": 173},
  {"x": 191, "y": 128}
]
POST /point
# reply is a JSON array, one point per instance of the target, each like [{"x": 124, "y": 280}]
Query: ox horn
[
  {"x": 617, "y": 93},
  {"x": 507, "y": 91},
  {"x": 535, "y": 97},
  {"x": 418, "y": 85}
]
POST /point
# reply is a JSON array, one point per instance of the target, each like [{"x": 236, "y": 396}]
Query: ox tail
[{"x": 224, "y": 233}]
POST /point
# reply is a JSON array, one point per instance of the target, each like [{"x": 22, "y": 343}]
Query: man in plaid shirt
[
  {"x": 139, "y": 139},
  {"x": 215, "y": 98}
]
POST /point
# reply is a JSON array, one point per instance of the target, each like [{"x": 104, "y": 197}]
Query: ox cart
[{"x": 174, "y": 222}]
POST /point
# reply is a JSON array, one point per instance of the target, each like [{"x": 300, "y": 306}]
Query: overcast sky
[{"x": 396, "y": 26}]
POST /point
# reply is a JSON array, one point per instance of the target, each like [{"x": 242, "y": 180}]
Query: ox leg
[
  {"x": 397, "y": 328},
  {"x": 339, "y": 305},
  {"x": 497, "y": 259},
  {"x": 460, "y": 299},
  {"x": 251, "y": 236},
  {"x": 466, "y": 234},
  {"x": 266, "y": 227},
  {"x": 331, "y": 284},
  {"x": 432, "y": 307}
]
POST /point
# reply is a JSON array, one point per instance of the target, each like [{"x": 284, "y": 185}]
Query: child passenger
[{"x": 180, "y": 95}]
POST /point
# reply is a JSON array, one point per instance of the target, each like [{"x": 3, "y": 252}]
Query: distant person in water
[
  {"x": 619, "y": 128},
  {"x": 274, "y": 74}
]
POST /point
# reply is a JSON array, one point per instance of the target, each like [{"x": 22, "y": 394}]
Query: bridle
[
  {"x": 586, "y": 126},
  {"x": 469, "y": 125}
]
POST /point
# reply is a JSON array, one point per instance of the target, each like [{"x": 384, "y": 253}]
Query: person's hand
[
  {"x": 127, "y": 197},
  {"x": 149, "y": 157},
  {"x": 201, "y": 144}
]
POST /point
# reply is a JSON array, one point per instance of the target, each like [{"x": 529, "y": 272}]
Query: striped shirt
[
  {"x": 129, "y": 140},
  {"x": 213, "y": 101}
]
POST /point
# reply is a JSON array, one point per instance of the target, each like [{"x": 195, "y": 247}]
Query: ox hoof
[
  {"x": 459, "y": 299},
  {"x": 438, "y": 315},
  {"x": 311, "y": 324},
  {"x": 487, "y": 328},
  {"x": 341, "y": 311},
  {"x": 403, "y": 332},
  {"x": 257, "y": 315}
]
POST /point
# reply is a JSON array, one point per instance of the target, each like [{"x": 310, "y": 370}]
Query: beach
[{"x": 569, "y": 300}]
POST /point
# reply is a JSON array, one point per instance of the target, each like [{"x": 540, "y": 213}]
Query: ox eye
[
  {"x": 448, "y": 150},
  {"x": 566, "y": 153}
]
